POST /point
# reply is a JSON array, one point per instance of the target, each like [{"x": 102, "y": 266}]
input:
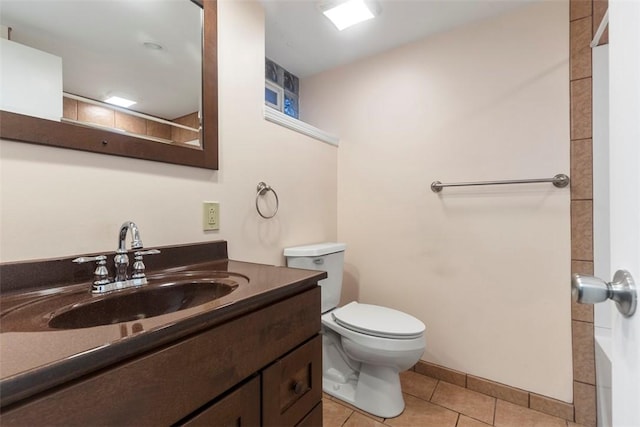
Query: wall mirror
[{"x": 163, "y": 55}]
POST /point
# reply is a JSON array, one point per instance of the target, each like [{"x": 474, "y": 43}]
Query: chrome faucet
[
  {"x": 102, "y": 283},
  {"x": 121, "y": 259}
]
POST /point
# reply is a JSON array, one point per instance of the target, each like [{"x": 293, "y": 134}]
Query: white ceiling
[{"x": 302, "y": 40}]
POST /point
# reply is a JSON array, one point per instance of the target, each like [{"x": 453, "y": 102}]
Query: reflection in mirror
[
  {"x": 146, "y": 52},
  {"x": 162, "y": 55}
]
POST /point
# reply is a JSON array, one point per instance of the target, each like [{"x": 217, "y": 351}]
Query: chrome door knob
[{"x": 591, "y": 290}]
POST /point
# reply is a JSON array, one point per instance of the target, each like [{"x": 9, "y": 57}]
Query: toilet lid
[{"x": 378, "y": 321}]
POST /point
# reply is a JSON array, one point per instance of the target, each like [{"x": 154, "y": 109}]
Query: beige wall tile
[
  {"x": 441, "y": 373},
  {"x": 582, "y": 267},
  {"x": 582, "y": 230},
  {"x": 584, "y": 400},
  {"x": 183, "y": 135},
  {"x": 418, "y": 385},
  {"x": 69, "y": 108},
  {"x": 159, "y": 130},
  {"x": 550, "y": 406},
  {"x": 581, "y": 109},
  {"x": 582, "y": 312},
  {"x": 510, "y": 415},
  {"x": 580, "y": 50},
  {"x": 131, "y": 123},
  {"x": 465, "y": 401},
  {"x": 334, "y": 414},
  {"x": 583, "y": 352},
  {"x": 581, "y": 169},
  {"x": 579, "y": 9},
  {"x": 599, "y": 8},
  {"x": 420, "y": 413},
  {"x": 501, "y": 391},
  {"x": 95, "y": 114},
  {"x": 581, "y": 212}
]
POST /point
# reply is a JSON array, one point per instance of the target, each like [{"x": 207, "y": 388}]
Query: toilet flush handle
[{"x": 318, "y": 261}]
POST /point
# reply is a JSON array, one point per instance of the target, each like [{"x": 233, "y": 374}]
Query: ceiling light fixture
[
  {"x": 348, "y": 13},
  {"x": 120, "y": 102}
]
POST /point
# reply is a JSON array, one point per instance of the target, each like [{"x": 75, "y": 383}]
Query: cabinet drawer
[
  {"x": 313, "y": 418},
  {"x": 241, "y": 408},
  {"x": 292, "y": 386}
]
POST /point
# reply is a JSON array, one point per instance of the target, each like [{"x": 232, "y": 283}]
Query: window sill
[{"x": 282, "y": 119}]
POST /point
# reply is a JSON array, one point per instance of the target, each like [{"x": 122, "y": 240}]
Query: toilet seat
[{"x": 378, "y": 321}]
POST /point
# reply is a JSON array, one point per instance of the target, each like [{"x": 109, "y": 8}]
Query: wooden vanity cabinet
[
  {"x": 241, "y": 408},
  {"x": 261, "y": 368},
  {"x": 292, "y": 386}
]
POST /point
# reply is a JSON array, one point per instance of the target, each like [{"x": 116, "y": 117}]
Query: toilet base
[{"x": 376, "y": 391}]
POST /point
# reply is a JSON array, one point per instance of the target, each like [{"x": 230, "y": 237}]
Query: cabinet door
[
  {"x": 292, "y": 386},
  {"x": 241, "y": 408}
]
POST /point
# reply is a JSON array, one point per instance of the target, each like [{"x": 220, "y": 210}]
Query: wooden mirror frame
[{"x": 19, "y": 127}]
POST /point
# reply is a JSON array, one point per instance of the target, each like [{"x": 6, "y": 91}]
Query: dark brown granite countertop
[{"x": 34, "y": 358}]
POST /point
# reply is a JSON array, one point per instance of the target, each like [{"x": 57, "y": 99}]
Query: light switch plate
[{"x": 210, "y": 216}]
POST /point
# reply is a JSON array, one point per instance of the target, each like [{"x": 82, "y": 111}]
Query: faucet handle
[
  {"x": 101, "y": 274},
  {"x": 84, "y": 259},
  {"x": 147, "y": 252},
  {"x": 138, "y": 265}
]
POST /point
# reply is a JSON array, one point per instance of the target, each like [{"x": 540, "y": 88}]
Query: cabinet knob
[
  {"x": 592, "y": 290},
  {"x": 298, "y": 387}
]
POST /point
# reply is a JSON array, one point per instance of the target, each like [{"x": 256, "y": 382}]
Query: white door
[{"x": 624, "y": 192}]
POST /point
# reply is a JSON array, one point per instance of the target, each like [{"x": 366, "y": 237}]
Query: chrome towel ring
[{"x": 263, "y": 189}]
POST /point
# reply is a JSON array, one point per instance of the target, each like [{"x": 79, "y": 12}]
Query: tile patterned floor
[{"x": 430, "y": 402}]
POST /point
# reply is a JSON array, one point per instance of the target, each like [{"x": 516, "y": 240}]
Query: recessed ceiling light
[
  {"x": 120, "y": 102},
  {"x": 348, "y": 13}
]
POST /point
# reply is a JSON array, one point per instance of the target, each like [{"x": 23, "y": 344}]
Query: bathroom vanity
[{"x": 251, "y": 356}]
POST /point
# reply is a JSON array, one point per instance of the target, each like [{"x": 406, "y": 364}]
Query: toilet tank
[{"x": 327, "y": 257}]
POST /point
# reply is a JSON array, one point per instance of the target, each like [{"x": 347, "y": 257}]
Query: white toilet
[{"x": 364, "y": 346}]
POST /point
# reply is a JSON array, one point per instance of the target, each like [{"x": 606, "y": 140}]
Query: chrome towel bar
[{"x": 560, "y": 180}]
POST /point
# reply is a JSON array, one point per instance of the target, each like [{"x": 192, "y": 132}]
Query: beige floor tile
[
  {"x": 465, "y": 401},
  {"x": 353, "y": 408},
  {"x": 510, "y": 415},
  {"x": 334, "y": 414},
  {"x": 359, "y": 420},
  {"x": 465, "y": 421},
  {"x": 417, "y": 412},
  {"x": 418, "y": 385}
]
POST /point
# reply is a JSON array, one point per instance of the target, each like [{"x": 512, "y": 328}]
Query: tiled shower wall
[{"x": 585, "y": 17}]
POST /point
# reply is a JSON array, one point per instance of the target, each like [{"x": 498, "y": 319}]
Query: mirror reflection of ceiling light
[
  {"x": 348, "y": 13},
  {"x": 120, "y": 102}
]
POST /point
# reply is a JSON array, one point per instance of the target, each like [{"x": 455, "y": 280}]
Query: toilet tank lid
[{"x": 317, "y": 249}]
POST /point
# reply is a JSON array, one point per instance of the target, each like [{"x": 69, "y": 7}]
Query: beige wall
[
  {"x": 486, "y": 269},
  {"x": 59, "y": 202}
]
